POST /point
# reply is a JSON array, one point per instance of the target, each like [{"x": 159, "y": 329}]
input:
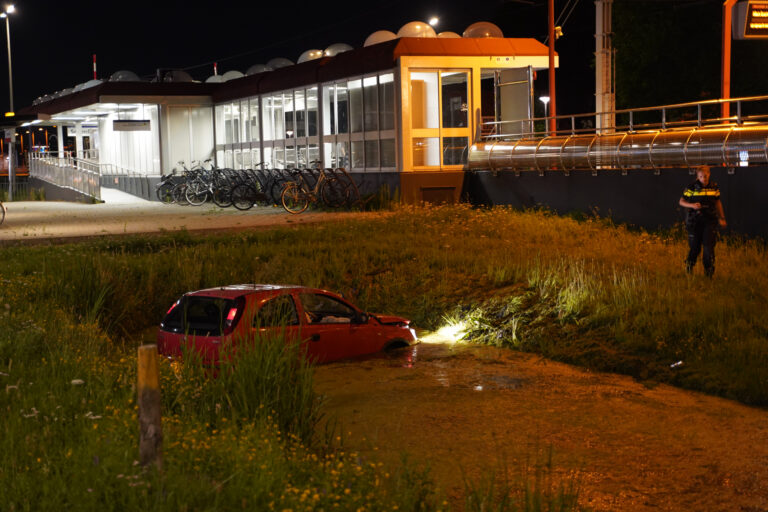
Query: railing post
[
  {"x": 738, "y": 112},
  {"x": 664, "y": 118},
  {"x": 698, "y": 108}
]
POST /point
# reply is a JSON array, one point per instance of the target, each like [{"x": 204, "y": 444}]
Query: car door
[
  {"x": 277, "y": 318},
  {"x": 333, "y": 329}
]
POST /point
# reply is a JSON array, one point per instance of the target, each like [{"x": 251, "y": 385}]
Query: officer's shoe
[{"x": 709, "y": 272}]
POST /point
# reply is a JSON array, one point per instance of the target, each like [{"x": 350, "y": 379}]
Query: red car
[{"x": 328, "y": 326}]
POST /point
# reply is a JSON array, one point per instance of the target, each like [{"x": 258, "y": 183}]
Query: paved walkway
[{"x": 29, "y": 221}]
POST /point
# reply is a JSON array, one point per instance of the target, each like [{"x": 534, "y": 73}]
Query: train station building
[{"x": 401, "y": 111}]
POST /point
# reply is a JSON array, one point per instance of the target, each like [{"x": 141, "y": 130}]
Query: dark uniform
[{"x": 702, "y": 224}]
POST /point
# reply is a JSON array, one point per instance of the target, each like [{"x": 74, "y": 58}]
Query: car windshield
[{"x": 198, "y": 315}]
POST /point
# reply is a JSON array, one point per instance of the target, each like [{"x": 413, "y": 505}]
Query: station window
[
  {"x": 312, "y": 112},
  {"x": 371, "y": 154},
  {"x": 235, "y": 123},
  {"x": 455, "y": 150},
  {"x": 370, "y": 104},
  {"x": 301, "y": 113},
  {"x": 454, "y": 99},
  {"x": 358, "y": 154},
  {"x": 387, "y": 102},
  {"x": 355, "y": 106},
  {"x": 426, "y": 151},
  {"x": 388, "y": 159},
  {"x": 254, "y": 119},
  {"x": 290, "y": 124},
  {"x": 424, "y": 100}
]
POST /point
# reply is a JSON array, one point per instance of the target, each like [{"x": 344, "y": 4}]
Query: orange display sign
[{"x": 756, "y": 20}]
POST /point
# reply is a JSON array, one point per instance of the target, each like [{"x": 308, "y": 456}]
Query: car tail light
[
  {"x": 173, "y": 306},
  {"x": 233, "y": 316}
]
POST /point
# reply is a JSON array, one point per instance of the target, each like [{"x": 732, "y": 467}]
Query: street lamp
[
  {"x": 9, "y": 9},
  {"x": 545, "y": 101}
]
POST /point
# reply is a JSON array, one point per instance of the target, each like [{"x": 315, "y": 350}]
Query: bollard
[{"x": 151, "y": 432}]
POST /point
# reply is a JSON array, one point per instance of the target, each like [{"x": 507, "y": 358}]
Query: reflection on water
[{"x": 453, "y": 365}]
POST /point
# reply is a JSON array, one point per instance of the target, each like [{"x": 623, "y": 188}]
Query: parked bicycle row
[{"x": 294, "y": 189}]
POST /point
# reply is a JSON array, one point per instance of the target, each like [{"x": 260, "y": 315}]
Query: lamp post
[
  {"x": 545, "y": 101},
  {"x": 9, "y": 9}
]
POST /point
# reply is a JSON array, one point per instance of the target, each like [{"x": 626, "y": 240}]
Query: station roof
[{"x": 359, "y": 61}]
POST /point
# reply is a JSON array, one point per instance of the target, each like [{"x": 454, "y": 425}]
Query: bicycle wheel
[
  {"x": 222, "y": 196},
  {"x": 2, "y": 212},
  {"x": 177, "y": 193},
  {"x": 164, "y": 192},
  {"x": 294, "y": 198},
  {"x": 242, "y": 197},
  {"x": 196, "y": 193},
  {"x": 276, "y": 191},
  {"x": 333, "y": 193}
]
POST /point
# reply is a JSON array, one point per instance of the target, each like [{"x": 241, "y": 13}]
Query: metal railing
[
  {"x": 681, "y": 135},
  {"x": 66, "y": 171},
  {"x": 699, "y": 114}
]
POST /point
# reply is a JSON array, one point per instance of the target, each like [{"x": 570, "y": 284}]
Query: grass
[{"x": 581, "y": 291}]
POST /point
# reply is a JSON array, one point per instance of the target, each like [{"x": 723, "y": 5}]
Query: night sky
[{"x": 53, "y": 41}]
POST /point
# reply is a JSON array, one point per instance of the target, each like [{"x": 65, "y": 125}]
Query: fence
[{"x": 67, "y": 172}]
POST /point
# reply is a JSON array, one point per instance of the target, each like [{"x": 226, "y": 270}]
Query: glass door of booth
[{"x": 440, "y": 123}]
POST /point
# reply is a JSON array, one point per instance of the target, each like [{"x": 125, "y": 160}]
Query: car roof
[{"x": 237, "y": 290}]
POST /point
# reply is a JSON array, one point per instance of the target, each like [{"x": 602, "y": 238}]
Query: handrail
[
  {"x": 67, "y": 172},
  {"x": 632, "y": 126}
]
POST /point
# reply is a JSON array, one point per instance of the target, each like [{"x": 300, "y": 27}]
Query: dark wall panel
[{"x": 641, "y": 198}]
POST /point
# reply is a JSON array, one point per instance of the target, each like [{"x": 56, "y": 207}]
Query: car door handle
[{"x": 314, "y": 337}]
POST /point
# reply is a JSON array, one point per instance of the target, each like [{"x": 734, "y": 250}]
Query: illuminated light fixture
[
  {"x": 10, "y": 114},
  {"x": 10, "y": 9},
  {"x": 434, "y": 20},
  {"x": 545, "y": 101}
]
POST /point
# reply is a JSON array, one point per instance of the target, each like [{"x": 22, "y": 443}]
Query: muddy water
[{"x": 472, "y": 410}]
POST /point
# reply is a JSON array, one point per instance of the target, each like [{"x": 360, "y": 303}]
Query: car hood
[{"x": 391, "y": 320}]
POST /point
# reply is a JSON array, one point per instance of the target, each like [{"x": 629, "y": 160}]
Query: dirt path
[{"x": 634, "y": 448}]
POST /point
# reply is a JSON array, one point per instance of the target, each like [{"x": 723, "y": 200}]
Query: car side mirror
[{"x": 362, "y": 318}]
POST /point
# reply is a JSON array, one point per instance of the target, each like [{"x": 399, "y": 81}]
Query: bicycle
[{"x": 297, "y": 194}]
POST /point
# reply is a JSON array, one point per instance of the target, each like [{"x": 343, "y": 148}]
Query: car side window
[
  {"x": 276, "y": 312},
  {"x": 322, "y": 309}
]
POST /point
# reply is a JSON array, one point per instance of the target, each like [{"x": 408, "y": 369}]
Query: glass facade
[{"x": 346, "y": 123}]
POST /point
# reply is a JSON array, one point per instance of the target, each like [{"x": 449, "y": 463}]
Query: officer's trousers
[{"x": 702, "y": 234}]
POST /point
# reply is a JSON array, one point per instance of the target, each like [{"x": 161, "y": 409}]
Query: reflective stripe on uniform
[{"x": 708, "y": 193}]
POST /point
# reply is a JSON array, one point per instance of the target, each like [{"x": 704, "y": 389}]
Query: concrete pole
[
  {"x": 552, "y": 100},
  {"x": 78, "y": 140},
  {"x": 605, "y": 95},
  {"x": 60, "y": 141},
  {"x": 725, "y": 67}
]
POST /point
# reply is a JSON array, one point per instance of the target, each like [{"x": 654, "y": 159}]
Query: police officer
[{"x": 704, "y": 212}]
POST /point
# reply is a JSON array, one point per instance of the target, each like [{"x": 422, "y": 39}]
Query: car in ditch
[{"x": 327, "y": 326}]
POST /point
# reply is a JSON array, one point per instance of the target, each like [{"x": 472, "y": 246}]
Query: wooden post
[{"x": 151, "y": 436}]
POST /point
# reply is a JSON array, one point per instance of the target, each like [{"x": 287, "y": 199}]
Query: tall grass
[
  {"x": 580, "y": 291},
  {"x": 586, "y": 291},
  {"x": 532, "y": 488}
]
